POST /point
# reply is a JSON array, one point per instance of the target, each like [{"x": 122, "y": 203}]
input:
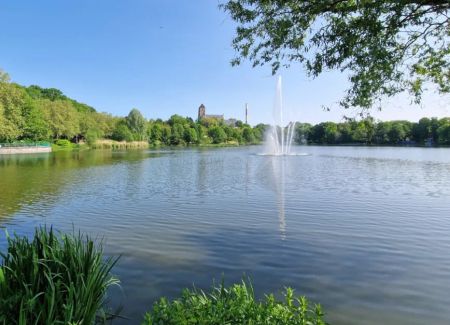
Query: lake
[{"x": 365, "y": 231}]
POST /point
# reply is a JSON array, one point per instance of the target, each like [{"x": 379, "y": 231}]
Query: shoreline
[{"x": 24, "y": 150}]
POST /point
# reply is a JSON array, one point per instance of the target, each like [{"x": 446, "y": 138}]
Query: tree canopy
[{"x": 386, "y": 47}]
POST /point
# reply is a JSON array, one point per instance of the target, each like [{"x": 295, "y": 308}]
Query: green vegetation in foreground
[
  {"x": 63, "y": 279},
  {"x": 234, "y": 305},
  {"x": 54, "y": 280}
]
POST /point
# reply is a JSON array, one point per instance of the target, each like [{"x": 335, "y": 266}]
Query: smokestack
[{"x": 246, "y": 113}]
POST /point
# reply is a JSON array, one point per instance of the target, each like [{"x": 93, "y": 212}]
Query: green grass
[
  {"x": 234, "y": 305},
  {"x": 54, "y": 279}
]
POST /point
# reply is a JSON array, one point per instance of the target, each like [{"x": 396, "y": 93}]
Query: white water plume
[{"x": 279, "y": 137}]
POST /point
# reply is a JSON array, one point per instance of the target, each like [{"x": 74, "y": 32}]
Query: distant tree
[
  {"x": 217, "y": 134},
  {"x": 35, "y": 127},
  {"x": 318, "y": 133},
  {"x": 122, "y": 132},
  {"x": 382, "y": 131},
  {"x": 177, "y": 134},
  {"x": 248, "y": 135},
  {"x": 12, "y": 102},
  {"x": 346, "y": 132},
  {"x": 92, "y": 136},
  {"x": 61, "y": 117},
  {"x": 4, "y": 77},
  {"x": 177, "y": 119},
  {"x": 190, "y": 136},
  {"x": 398, "y": 132},
  {"x": 444, "y": 131},
  {"x": 331, "y": 133},
  {"x": 166, "y": 134},
  {"x": 422, "y": 130},
  {"x": 302, "y": 131},
  {"x": 136, "y": 123}
]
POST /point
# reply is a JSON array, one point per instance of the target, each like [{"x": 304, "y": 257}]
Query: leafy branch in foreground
[
  {"x": 234, "y": 305},
  {"x": 54, "y": 280},
  {"x": 387, "y": 47}
]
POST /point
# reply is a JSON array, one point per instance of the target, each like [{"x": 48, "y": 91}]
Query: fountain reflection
[{"x": 276, "y": 170}]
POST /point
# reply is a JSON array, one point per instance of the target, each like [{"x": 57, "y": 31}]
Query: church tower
[{"x": 201, "y": 112}]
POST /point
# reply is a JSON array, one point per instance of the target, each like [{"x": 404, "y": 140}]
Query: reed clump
[
  {"x": 114, "y": 145},
  {"x": 234, "y": 305},
  {"x": 54, "y": 279}
]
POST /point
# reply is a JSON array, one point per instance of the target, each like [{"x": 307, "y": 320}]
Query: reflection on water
[
  {"x": 278, "y": 164},
  {"x": 364, "y": 231}
]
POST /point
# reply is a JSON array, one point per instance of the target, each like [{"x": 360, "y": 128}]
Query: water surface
[{"x": 364, "y": 231}]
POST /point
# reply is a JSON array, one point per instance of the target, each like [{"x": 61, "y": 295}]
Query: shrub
[
  {"x": 54, "y": 280},
  {"x": 234, "y": 305},
  {"x": 63, "y": 143},
  {"x": 91, "y": 137}
]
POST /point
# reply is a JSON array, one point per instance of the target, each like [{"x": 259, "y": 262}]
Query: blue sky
[{"x": 163, "y": 57}]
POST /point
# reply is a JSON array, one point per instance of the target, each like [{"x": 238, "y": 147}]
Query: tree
[
  {"x": 122, "y": 132},
  {"x": 36, "y": 127},
  {"x": 177, "y": 134},
  {"x": 444, "y": 131},
  {"x": 136, "y": 123},
  {"x": 385, "y": 46},
  {"x": 12, "y": 101},
  {"x": 4, "y": 77},
  {"x": 190, "y": 136},
  {"x": 217, "y": 134},
  {"x": 248, "y": 135},
  {"x": 331, "y": 133},
  {"x": 61, "y": 117}
]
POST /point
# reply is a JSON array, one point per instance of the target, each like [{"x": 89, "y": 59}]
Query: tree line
[
  {"x": 429, "y": 131},
  {"x": 45, "y": 114}
]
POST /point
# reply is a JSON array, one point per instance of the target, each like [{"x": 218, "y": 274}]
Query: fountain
[{"x": 279, "y": 137}]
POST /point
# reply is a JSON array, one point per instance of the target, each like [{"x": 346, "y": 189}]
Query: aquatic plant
[
  {"x": 111, "y": 144},
  {"x": 234, "y": 305},
  {"x": 54, "y": 279}
]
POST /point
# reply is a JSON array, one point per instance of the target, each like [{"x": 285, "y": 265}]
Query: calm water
[{"x": 364, "y": 231}]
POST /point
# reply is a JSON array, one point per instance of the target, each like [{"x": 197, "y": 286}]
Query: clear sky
[{"x": 163, "y": 57}]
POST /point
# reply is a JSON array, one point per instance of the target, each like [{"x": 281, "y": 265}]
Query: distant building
[
  {"x": 231, "y": 122},
  {"x": 202, "y": 114}
]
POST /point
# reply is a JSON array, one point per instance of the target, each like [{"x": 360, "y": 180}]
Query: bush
[
  {"x": 54, "y": 280},
  {"x": 91, "y": 137},
  {"x": 234, "y": 305},
  {"x": 63, "y": 143}
]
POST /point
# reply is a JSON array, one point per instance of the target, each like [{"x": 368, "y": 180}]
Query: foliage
[
  {"x": 385, "y": 46},
  {"x": 367, "y": 131},
  {"x": 122, "y": 132},
  {"x": 234, "y": 305},
  {"x": 136, "y": 123},
  {"x": 4, "y": 77},
  {"x": 217, "y": 134},
  {"x": 45, "y": 114},
  {"x": 54, "y": 280},
  {"x": 63, "y": 143},
  {"x": 91, "y": 137}
]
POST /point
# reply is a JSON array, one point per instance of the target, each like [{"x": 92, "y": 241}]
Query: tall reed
[
  {"x": 54, "y": 279},
  {"x": 111, "y": 144}
]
